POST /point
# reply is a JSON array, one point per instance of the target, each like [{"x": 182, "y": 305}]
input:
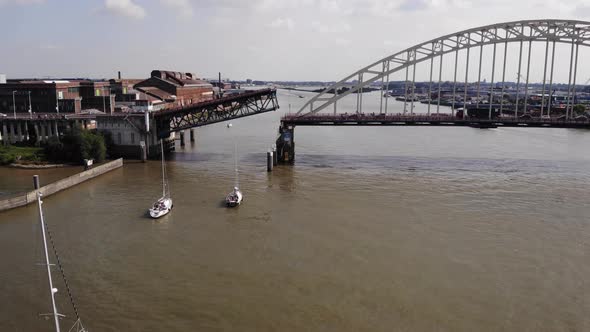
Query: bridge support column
[
  {"x": 12, "y": 133},
  {"x": 27, "y": 131},
  {"x": 269, "y": 159},
  {"x": 37, "y": 135},
  {"x": 192, "y": 135},
  {"x": 182, "y": 139},
  {"x": 55, "y": 128},
  {"x": 286, "y": 145},
  {"x": 43, "y": 131},
  {"x": 144, "y": 153},
  {"x": 4, "y": 134},
  {"x": 49, "y": 130},
  {"x": 19, "y": 132}
]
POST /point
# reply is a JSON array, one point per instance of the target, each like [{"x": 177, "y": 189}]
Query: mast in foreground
[
  {"x": 77, "y": 327},
  {"x": 52, "y": 290}
]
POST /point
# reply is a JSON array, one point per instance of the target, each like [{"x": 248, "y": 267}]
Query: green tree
[
  {"x": 108, "y": 141},
  {"x": 75, "y": 146},
  {"x": 579, "y": 109}
]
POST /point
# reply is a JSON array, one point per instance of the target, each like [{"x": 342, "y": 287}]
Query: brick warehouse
[
  {"x": 162, "y": 90},
  {"x": 51, "y": 96},
  {"x": 174, "y": 89}
]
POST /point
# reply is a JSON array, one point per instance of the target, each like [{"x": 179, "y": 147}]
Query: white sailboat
[
  {"x": 77, "y": 327},
  {"x": 163, "y": 205},
  {"x": 235, "y": 197}
]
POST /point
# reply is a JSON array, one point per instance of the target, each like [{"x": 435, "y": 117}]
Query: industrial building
[
  {"x": 165, "y": 89},
  {"x": 54, "y": 96}
]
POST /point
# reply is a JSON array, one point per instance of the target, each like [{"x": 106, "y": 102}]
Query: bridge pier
[
  {"x": 269, "y": 161},
  {"x": 37, "y": 135},
  {"x": 192, "y": 135},
  {"x": 27, "y": 133},
  {"x": 43, "y": 131},
  {"x": 56, "y": 129},
  {"x": 182, "y": 138},
  {"x": 19, "y": 132},
  {"x": 12, "y": 133},
  {"x": 5, "y": 140},
  {"x": 286, "y": 145},
  {"x": 49, "y": 130}
]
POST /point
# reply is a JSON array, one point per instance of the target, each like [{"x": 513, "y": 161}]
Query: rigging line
[{"x": 63, "y": 275}]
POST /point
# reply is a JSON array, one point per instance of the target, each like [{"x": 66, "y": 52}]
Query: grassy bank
[{"x": 21, "y": 154}]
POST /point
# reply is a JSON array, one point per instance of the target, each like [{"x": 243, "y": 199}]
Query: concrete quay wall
[{"x": 57, "y": 186}]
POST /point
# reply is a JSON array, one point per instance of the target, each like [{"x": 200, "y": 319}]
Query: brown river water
[{"x": 373, "y": 229}]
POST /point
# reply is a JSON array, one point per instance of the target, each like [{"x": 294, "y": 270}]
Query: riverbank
[
  {"x": 57, "y": 186},
  {"x": 36, "y": 166},
  {"x": 10, "y": 154}
]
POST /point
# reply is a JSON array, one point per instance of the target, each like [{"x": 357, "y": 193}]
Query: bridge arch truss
[{"x": 574, "y": 33}]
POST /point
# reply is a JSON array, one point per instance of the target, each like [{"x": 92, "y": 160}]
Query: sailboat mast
[
  {"x": 163, "y": 171},
  {"x": 236, "y": 162},
  {"x": 52, "y": 290}
]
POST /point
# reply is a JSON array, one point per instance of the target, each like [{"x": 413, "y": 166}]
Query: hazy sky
[{"x": 258, "y": 39}]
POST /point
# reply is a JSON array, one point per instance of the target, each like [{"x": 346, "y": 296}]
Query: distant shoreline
[{"x": 36, "y": 166}]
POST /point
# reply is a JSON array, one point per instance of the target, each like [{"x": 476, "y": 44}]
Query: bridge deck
[{"x": 424, "y": 120}]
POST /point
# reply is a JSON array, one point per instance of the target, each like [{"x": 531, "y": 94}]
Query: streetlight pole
[
  {"x": 104, "y": 108},
  {"x": 14, "y": 104}
]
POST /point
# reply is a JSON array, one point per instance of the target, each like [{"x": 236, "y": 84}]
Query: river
[{"x": 373, "y": 229}]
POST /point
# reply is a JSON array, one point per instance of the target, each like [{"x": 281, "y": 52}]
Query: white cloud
[
  {"x": 280, "y": 22},
  {"x": 49, "y": 47},
  {"x": 21, "y": 2},
  {"x": 583, "y": 10},
  {"x": 125, "y": 8},
  {"x": 337, "y": 7},
  {"x": 340, "y": 27},
  {"x": 342, "y": 41},
  {"x": 269, "y": 5},
  {"x": 413, "y": 5},
  {"x": 183, "y": 7}
]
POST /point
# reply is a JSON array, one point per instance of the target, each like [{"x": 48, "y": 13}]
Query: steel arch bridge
[
  {"x": 490, "y": 108},
  {"x": 576, "y": 33}
]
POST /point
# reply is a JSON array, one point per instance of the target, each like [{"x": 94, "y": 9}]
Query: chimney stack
[{"x": 119, "y": 74}]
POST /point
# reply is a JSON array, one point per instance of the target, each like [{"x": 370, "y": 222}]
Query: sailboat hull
[
  {"x": 161, "y": 207},
  {"x": 234, "y": 198}
]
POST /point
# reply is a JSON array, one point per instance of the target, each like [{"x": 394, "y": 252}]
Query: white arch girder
[{"x": 560, "y": 31}]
